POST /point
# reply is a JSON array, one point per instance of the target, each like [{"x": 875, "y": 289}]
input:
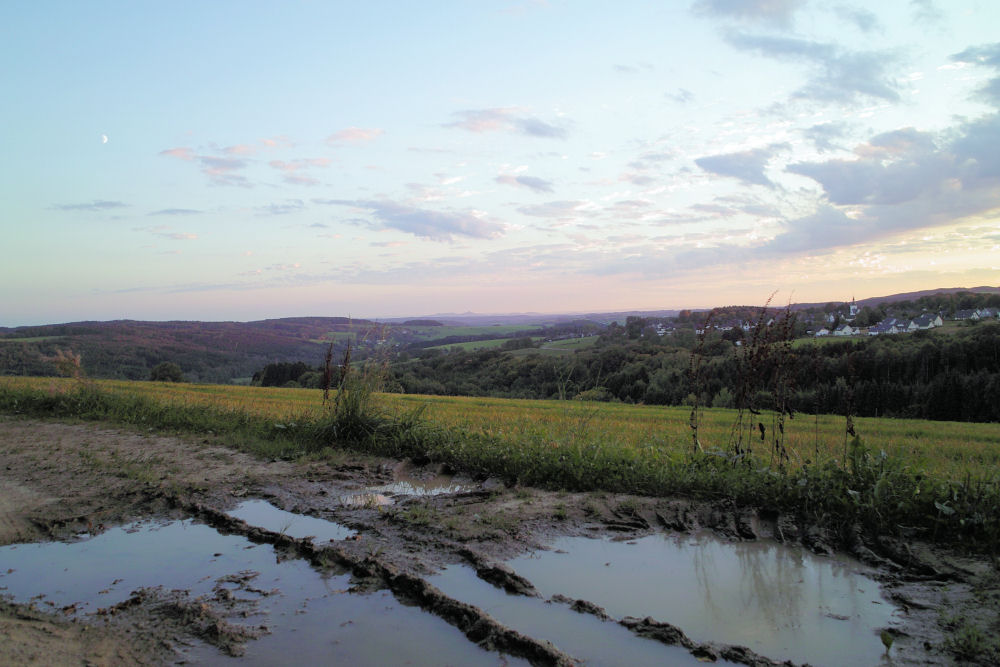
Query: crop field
[{"x": 944, "y": 450}]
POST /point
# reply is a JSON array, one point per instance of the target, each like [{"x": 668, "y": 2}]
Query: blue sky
[{"x": 245, "y": 160}]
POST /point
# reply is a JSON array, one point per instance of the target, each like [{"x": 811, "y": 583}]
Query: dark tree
[{"x": 167, "y": 371}]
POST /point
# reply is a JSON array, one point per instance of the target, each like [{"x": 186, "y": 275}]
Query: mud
[{"x": 77, "y": 482}]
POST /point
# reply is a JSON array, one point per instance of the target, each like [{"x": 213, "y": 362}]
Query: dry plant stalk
[
  {"x": 67, "y": 363},
  {"x": 694, "y": 378}
]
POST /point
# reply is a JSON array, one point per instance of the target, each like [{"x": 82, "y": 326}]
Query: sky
[{"x": 249, "y": 160}]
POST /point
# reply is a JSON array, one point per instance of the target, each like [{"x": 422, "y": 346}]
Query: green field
[
  {"x": 949, "y": 450},
  {"x": 476, "y": 344},
  {"x": 499, "y": 330}
]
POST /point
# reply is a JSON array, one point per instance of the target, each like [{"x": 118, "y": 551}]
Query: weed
[{"x": 560, "y": 513}]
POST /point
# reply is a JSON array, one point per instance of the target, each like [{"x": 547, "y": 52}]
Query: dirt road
[{"x": 68, "y": 482}]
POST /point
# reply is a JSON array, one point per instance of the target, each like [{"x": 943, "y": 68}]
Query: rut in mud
[{"x": 198, "y": 552}]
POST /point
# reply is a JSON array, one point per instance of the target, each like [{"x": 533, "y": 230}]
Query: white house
[
  {"x": 822, "y": 332},
  {"x": 925, "y": 321},
  {"x": 846, "y": 330}
]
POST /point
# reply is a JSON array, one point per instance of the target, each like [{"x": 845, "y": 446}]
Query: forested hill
[
  {"x": 951, "y": 375},
  {"x": 206, "y": 351}
]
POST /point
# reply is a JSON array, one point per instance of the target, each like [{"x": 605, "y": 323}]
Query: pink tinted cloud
[
  {"x": 239, "y": 149},
  {"x": 181, "y": 153},
  {"x": 355, "y": 135},
  {"x": 276, "y": 142},
  {"x": 294, "y": 169}
]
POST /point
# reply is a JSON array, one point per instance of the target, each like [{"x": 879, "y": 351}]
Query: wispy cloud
[
  {"x": 96, "y": 205},
  {"x": 681, "y": 95},
  {"x": 165, "y": 232},
  {"x": 531, "y": 182},
  {"x": 862, "y": 19},
  {"x": 989, "y": 56},
  {"x": 825, "y": 135},
  {"x": 560, "y": 210},
  {"x": 838, "y": 75},
  {"x": 293, "y": 170},
  {"x": 176, "y": 211},
  {"x": 778, "y": 13},
  {"x": 510, "y": 119},
  {"x": 283, "y": 208},
  {"x": 746, "y": 166},
  {"x": 221, "y": 170},
  {"x": 355, "y": 135},
  {"x": 432, "y": 225}
]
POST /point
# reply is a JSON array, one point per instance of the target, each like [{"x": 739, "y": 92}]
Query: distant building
[{"x": 927, "y": 321}]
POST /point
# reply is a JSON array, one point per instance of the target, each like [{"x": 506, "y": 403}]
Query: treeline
[{"x": 922, "y": 375}]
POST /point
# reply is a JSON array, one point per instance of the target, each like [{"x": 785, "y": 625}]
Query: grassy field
[
  {"x": 476, "y": 344},
  {"x": 947, "y": 450},
  {"x": 433, "y": 333},
  {"x": 938, "y": 478}
]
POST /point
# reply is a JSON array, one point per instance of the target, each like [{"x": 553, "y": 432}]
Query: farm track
[{"x": 58, "y": 480}]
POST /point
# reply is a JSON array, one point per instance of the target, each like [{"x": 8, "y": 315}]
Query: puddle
[
  {"x": 366, "y": 500},
  {"x": 782, "y": 602},
  {"x": 427, "y": 487},
  {"x": 264, "y": 515},
  {"x": 411, "y": 481},
  {"x": 583, "y": 636},
  {"x": 312, "y": 617},
  {"x": 405, "y": 484}
]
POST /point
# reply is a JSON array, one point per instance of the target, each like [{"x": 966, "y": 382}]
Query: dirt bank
[{"x": 60, "y": 480}]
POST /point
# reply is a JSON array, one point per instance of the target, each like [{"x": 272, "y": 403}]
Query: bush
[{"x": 167, "y": 371}]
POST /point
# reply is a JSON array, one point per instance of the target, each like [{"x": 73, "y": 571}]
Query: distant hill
[
  {"x": 903, "y": 296},
  {"x": 232, "y": 351}
]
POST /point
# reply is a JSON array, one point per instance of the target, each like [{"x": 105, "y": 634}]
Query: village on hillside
[{"x": 894, "y": 325}]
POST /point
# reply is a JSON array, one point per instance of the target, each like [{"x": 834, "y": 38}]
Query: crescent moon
[{"x": 104, "y": 138}]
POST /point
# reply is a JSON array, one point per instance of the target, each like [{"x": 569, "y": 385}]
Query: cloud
[
  {"x": 432, "y": 225},
  {"x": 987, "y": 55},
  {"x": 838, "y": 76},
  {"x": 96, "y": 205},
  {"x": 824, "y": 136},
  {"x": 681, "y": 95},
  {"x": 181, "y": 153},
  {"x": 293, "y": 169},
  {"x": 239, "y": 149},
  {"x": 778, "y": 13},
  {"x": 220, "y": 170},
  {"x": 746, "y": 166},
  {"x": 176, "y": 211},
  {"x": 165, "y": 232},
  {"x": 505, "y": 119},
  {"x": 559, "y": 210},
  {"x": 530, "y": 182},
  {"x": 862, "y": 19},
  {"x": 289, "y": 206},
  {"x": 355, "y": 135},
  {"x": 924, "y": 11},
  {"x": 901, "y": 180}
]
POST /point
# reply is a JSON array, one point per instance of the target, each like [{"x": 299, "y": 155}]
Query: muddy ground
[{"x": 61, "y": 480}]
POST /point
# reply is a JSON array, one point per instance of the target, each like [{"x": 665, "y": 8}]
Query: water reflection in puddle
[
  {"x": 780, "y": 601},
  {"x": 583, "y": 636},
  {"x": 264, "y": 515},
  {"x": 405, "y": 484},
  {"x": 312, "y": 618},
  {"x": 416, "y": 487}
]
